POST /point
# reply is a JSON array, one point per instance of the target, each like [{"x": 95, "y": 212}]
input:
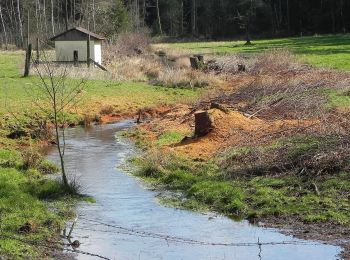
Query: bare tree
[
  {"x": 158, "y": 17},
  {"x": 20, "y": 21},
  {"x": 3, "y": 27},
  {"x": 193, "y": 17},
  {"x": 66, "y": 15},
  {"x": 52, "y": 18},
  {"x": 55, "y": 97},
  {"x": 93, "y": 15},
  {"x": 245, "y": 21}
]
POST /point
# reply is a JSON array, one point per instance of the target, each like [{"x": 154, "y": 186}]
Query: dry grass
[
  {"x": 135, "y": 68},
  {"x": 170, "y": 50},
  {"x": 185, "y": 78},
  {"x": 169, "y": 72},
  {"x": 274, "y": 61},
  {"x": 280, "y": 118}
]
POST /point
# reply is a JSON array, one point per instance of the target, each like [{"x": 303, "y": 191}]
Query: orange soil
[
  {"x": 230, "y": 129},
  {"x": 105, "y": 119}
]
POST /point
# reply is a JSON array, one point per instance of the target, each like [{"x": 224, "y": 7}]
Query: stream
[{"x": 126, "y": 214}]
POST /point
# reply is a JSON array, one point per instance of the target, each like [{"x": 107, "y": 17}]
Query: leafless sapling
[{"x": 55, "y": 95}]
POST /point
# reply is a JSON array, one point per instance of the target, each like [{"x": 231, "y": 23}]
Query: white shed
[{"x": 71, "y": 45}]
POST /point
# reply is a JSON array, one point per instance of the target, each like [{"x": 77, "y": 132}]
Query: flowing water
[{"x": 94, "y": 155}]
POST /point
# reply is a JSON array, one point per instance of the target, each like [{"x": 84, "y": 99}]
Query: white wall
[
  {"x": 65, "y": 50},
  {"x": 98, "y": 53}
]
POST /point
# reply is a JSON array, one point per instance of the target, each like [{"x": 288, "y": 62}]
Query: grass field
[
  {"x": 323, "y": 51},
  {"x": 28, "y": 200},
  {"x": 126, "y": 97}
]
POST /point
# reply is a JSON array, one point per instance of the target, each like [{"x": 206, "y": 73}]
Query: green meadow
[
  {"x": 323, "y": 51},
  {"x": 126, "y": 97}
]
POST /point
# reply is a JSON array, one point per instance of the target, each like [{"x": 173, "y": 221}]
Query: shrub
[
  {"x": 302, "y": 155},
  {"x": 106, "y": 110},
  {"x": 47, "y": 167},
  {"x": 126, "y": 45},
  {"x": 31, "y": 159},
  {"x": 274, "y": 61}
]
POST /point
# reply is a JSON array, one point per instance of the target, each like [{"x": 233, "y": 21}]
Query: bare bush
[
  {"x": 106, "y": 110},
  {"x": 274, "y": 61},
  {"x": 230, "y": 63},
  {"x": 303, "y": 155},
  {"x": 185, "y": 78},
  {"x": 127, "y": 44},
  {"x": 31, "y": 159},
  {"x": 137, "y": 68}
]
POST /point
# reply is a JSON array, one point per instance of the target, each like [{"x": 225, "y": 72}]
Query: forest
[{"x": 207, "y": 19}]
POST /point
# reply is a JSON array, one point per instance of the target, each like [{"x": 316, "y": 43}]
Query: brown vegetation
[{"x": 272, "y": 119}]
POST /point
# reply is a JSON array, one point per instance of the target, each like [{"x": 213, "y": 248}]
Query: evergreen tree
[{"x": 119, "y": 17}]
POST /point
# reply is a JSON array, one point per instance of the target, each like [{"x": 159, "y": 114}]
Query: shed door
[
  {"x": 98, "y": 53},
  {"x": 75, "y": 56}
]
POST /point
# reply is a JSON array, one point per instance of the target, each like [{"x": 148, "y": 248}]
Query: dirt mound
[{"x": 230, "y": 129}]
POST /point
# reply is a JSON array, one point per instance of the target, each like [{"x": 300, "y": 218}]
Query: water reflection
[{"x": 93, "y": 155}]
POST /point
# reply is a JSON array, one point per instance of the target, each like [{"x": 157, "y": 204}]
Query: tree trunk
[
  {"x": 20, "y": 22},
  {"x": 247, "y": 23},
  {"x": 37, "y": 16},
  {"x": 66, "y": 15},
  {"x": 4, "y": 28},
  {"x": 158, "y": 18},
  {"x": 28, "y": 28},
  {"x": 182, "y": 18},
  {"x": 288, "y": 17},
  {"x": 93, "y": 15},
  {"x": 44, "y": 14},
  {"x": 52, "y": 18},
  {"x": 203, "y": 123},
  {"x": 59, "y": 148},
  {"x": 193, "y": 18}
]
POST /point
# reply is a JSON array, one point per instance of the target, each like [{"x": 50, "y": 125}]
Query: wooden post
[
  {"x": 88, "y": 51},
  {"x": 28, "y": 58},
  {"x": 37, "y": 50}
]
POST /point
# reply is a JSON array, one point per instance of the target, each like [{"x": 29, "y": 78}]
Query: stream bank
[{"x": 127, "y": 222}]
